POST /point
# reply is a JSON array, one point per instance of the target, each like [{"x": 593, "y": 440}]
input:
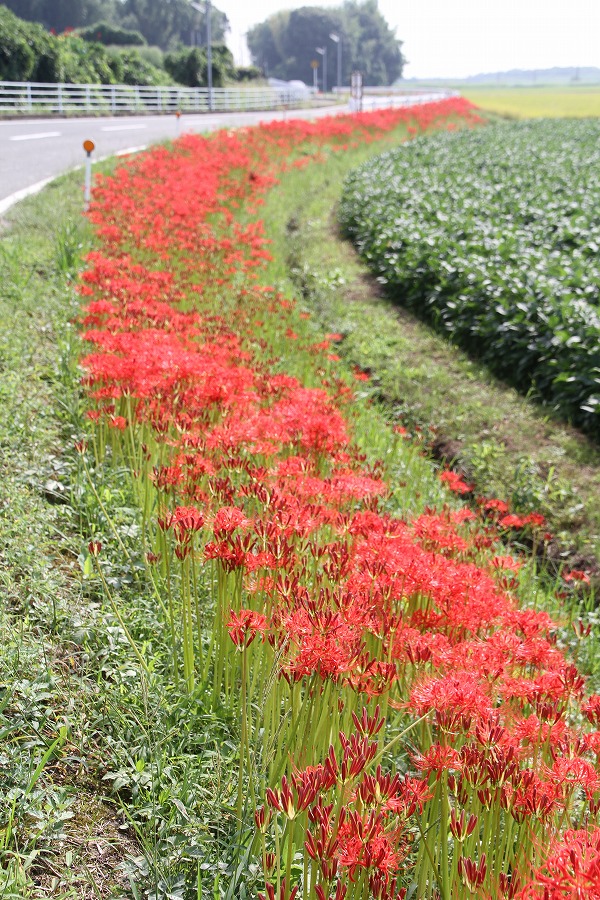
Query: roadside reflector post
[
  {"x": 89, "y": 147},
  {"x": 178, "y": 117}
]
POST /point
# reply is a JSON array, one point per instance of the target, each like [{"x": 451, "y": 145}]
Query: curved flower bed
[{"x": 404, "y": 724}]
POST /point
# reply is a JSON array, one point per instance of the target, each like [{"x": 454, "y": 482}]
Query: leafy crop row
[{"x": 493, "y": 235}]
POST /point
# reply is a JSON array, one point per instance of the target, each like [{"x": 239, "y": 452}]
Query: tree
[
  {"x": 169, "y": 23},
  {"x": 163, "y": 23},
  {"x": 374, "y": 49},
  {"x": 285, "y": 44},
  {"x": 59, "y": 15}
]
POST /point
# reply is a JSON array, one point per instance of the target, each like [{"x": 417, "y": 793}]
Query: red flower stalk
[
  {"x": 472, "y": 873},
  {"x": 244, "y": 626}
]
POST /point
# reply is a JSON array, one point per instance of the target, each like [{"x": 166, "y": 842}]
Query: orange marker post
[
  {"x": 89, "y": 147},
  {"x": 178, "y": 118}
]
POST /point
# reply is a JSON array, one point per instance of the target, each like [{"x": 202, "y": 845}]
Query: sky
[{"x": 457, "y": 38}]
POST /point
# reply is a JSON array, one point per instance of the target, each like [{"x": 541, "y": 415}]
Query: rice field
[{"x": 576, "y": 101}]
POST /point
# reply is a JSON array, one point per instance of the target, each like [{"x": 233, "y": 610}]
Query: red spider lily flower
[
  {"x": 283, "y": 894},
  {"x": 437, "y": 759},
  {"x": 244, "y": 626},
  {"x": 295, "y": 796},
  {"x": 591, "y": 709},
  {"x": 366, "y": 725},
  {"x": 457, "y": 693},
  {"x": 340, "y": 892},
  {"x": 567, "y": 774},
  {"x": 186, "y": 520},
  {"x": 472, "y": 873},
  {"x": 536, "y": 519},
  {"x": 572, "y": 869},
  {"x": 454, "y": 482},
  {"x": 512, "y": 521},
  {"x": 507, "y": 563},
  {"x": 118, "y": 422},
  {"x": 460, "y": 826},
  {"x": 576, "y": 575},
  {"x": 495, "y": 505},
  {"x": 364, "y": 843},
  {"x": 383, "y": 887}
]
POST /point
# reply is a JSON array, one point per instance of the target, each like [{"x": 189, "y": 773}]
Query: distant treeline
[{"x": 107, "y": 53}]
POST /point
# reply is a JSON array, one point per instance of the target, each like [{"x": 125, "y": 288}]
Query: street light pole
[
  {"x": 209, "y": 54},
  {"x": 207, "y": 10},
  {"x": 337, "y": 39},
  {"x": 323, "y": 52}
]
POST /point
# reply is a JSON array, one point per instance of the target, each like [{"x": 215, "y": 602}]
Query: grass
[
  {"x": 114, "y": 785},
  {"x": 110, "y": 780},
  {"x": 575, "y": 101},
  {"x": 46, "y": 615},
  {"x": 504, "y": 443}
]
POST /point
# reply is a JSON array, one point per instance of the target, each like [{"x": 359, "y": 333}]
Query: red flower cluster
[{"x": 255, "y": 470}]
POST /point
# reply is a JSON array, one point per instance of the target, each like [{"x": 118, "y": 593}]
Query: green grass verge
[
  {"x": 507, "y": 445},
  {"x": 112, "y": 785}
]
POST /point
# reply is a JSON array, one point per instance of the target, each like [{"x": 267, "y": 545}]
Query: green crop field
[
  {"x": 492, "y": 235},
  {"x": 537, "y": 102}
]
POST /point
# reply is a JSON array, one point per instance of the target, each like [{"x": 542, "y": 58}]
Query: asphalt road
[{"x": 33, "y": 151}]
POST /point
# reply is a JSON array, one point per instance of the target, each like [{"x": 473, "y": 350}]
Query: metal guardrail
[{"x": 67, "y": 99}]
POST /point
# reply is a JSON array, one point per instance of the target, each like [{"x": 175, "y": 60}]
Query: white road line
[
  {"x": 35, "y": 137},
  {"x": 35, "y": 188},
  {"x": 129, "y": 151},
  {"x": 26, "y": 192},
  {"x": 123, "y": 127}
]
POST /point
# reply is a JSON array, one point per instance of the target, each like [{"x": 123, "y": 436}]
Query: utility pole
[
  {"x": 209, "y": 53},
  {"x": 337, "y": 39},
  {"x": 323, "y": 52},
  {"x": 207, "y": 9}
]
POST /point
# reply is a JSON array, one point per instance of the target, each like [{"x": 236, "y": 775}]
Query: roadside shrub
[
  {"x": 189, "y": 66},
  {"x": 248, "y": 73},
  {"x": 80, "y": 62},
  {"x": 136, "y": 70},
  {"x": 104, "y": 33}
]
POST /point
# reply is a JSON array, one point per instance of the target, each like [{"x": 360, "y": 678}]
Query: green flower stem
[
  {"x": 117, "y": 613},
  {"x": 445, "y": 815},
  {"x": 109, "y": 520},
  {"x": 197, "y": 609},
  {"x": 243, "y": 737}
]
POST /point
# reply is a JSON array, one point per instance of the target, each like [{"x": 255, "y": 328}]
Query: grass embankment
[
  {"x": 58, "y": 836},
  {"x": 111, "y": 781},
  {"x": 577, "y": 101},
  {"x": 509, "y": 447},
  {"x": 105, "y": 768}
]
